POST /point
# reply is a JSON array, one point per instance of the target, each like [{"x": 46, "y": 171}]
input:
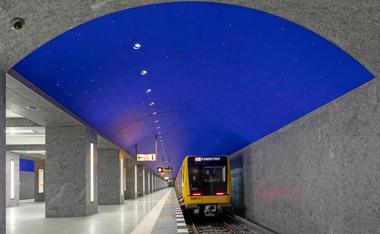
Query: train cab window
[
  {"x": 194, "y": 178},
  {"x": 214, "y": 174}
]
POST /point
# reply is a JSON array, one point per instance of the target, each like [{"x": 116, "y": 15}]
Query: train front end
[{"x": 208, "y": 184}]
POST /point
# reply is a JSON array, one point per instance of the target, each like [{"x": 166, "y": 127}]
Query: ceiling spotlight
[
  {"x": 137, "y": 46},
  {"x": 148, "y": 90},
  {"x": 156, "y": 121},
  {"x": 152, "y": 103},
  {"x": 17, "y": 23},
  {"x": 32, "y": 108},
  {"x": 154, "y": 113},
  {"x": 144, "y": 73}
]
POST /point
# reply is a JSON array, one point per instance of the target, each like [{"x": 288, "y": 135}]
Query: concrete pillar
[
  {"x": 110, "y": 177},
  {"x": 146, "y": 174},
  {"x": 71, "y": 171},
  {"x": 39, "y": 180},
  {"x": 2, "y": 154},
  {"x": 15, "y": 158},
  {"x": 140, "y": 180},
  {"x": 131, "y": 169}
]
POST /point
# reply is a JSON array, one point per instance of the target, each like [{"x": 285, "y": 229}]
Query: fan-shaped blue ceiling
[{"x": 219, "y": 77}]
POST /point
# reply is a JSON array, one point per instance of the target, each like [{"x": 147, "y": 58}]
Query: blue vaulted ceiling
[{"x": 219, "y": 77}]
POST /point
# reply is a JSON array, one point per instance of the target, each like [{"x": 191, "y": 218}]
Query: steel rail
[
  {"x": 195, "y": 230},
  {"x": 229, "y": 227}
]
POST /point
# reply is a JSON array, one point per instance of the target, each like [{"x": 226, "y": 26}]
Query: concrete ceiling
[{"x": 31, "y": 145}]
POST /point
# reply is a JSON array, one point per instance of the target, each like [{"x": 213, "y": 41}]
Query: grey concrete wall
[
  {"x": 38, "y": 165},
  {"x": 131, "y": 175},
  {"x": 140, "y": 180},
  {"x": 162, "y": 183},
  {"x": 109, "y": 177},
  {"x": 26, "y": 185},
  {"x": 67, "y": 176},
  {"x": 16, "y": 157},
  {"x": 319, "y": 174},
  {"x": 2, "y": 155}
]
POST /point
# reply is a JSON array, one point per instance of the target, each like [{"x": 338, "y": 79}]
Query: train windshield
[{"x": 208, "y": 175}]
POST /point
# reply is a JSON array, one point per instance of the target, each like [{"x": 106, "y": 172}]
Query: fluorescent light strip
[
  {"x": 121, "y": 177},
  {"x": 92, "y": 172},
  {"x": 143, "y": 181},
  {"x": 135, "y": 179},
  {"x": 12, "y": 179},
  {"x": 19, "y": 131}
]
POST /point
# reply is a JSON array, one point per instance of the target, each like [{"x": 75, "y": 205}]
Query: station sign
[
  {"x": 164, "y": 169},
  {"x": 146, "y": 157}
]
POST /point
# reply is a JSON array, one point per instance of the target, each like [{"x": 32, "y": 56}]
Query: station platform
[{"x": 158, "y": 212}]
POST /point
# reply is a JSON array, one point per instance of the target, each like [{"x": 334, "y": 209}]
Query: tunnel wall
[{"x": 319, "y": 174}]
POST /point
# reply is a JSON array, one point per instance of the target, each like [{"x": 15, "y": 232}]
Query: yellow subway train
[{"x": 203, "y": 184}]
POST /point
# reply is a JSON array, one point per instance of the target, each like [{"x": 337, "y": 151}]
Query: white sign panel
[{"x": 40, "y": 181}]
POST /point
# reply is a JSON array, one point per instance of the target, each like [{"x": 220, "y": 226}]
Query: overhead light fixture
[
  {"x": 32, "y": 108},
  {"x": 156, "y": 121},
  {"x": 154, "y": 113},
  {"x": 17, "y": 23},
  {"x": 137, "y": 46},
  {"x": 20, "y": 131},
  {"x": 149, "y": 90},
  {"x": 144, "y": 72},
  {"x": 152, "y": 103}
]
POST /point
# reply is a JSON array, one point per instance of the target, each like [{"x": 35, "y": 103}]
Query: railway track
[{"x": 213, "y": 226}]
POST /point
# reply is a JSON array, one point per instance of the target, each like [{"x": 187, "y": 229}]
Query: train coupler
[{"x": 210, "y": 210}]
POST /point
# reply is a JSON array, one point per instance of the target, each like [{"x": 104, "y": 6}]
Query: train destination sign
[
  {"x": 200, "y": 159},
  {"x": 164, "y": 169},
  {"x": 146, "y": 157}
]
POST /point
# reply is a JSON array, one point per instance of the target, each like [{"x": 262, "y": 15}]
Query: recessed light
[
  {"x": 152, "y": 103},
  {"x": 154, "y": 113},
  {"x": 158, "y": 127},
  {"x": 144, "y": 73},
  {"x": 32, "y": 107},
  {"x": 137, "y": 46},
  {"x": 159, "y": 132},
  {"x": 156, "y": 121},
  {"x": 148, "y": 90}
]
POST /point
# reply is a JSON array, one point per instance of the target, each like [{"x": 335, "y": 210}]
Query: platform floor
[{"x": 157, "y": 212}]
